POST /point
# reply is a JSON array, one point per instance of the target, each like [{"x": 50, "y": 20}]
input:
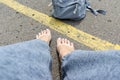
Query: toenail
[{"x": 59, "y": 38}]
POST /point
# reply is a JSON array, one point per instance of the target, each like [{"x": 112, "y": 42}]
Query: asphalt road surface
[{"x": 16, "y": 27}]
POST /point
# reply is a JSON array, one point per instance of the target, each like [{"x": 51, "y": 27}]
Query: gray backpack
[{"x": 72, "y": 9}]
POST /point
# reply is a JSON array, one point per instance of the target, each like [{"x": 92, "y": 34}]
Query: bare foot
[
  {"x": 44, "y": 35},
  {"x": 64, "y": 47}
]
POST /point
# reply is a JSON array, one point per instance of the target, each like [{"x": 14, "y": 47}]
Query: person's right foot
[{"x": 64, "y": 47}]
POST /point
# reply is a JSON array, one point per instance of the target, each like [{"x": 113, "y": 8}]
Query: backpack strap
[{"x": 95, "y": 12}]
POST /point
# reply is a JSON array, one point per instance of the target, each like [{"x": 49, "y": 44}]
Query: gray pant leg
[
  {"x": 91, "y": 65},
  {"x": 28, "y": 60}
]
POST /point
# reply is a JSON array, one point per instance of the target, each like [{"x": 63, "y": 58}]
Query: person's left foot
[{"x": 44, "y": 35}]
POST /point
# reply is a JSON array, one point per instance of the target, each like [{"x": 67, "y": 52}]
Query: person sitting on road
[{"x": 31, "y": 60}]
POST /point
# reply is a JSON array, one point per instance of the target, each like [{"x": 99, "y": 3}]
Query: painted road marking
[{"x": 68, "y": 30}]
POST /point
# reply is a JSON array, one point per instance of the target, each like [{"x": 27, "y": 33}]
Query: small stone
[
  {"x": 109, "y": 20},
  {"x": 17, "y": 12},
  {"x": 68, "y": 31},
  {"x": 16, "y": 36},
  {"x": 93, "y": 38},
  {"x": 33, "y": 14},
  {"x": 21, "y": 25},
  {"x": 33, "y": 29}
]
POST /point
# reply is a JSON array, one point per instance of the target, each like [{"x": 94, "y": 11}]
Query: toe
[
  {"x": 37, "y": 37},
  {"x": 71, "y": 44},
  {"x": 66, "y": 41},
  {"x": 48, "y": 31},
  {"x": 39, "y": 34},
  {"x": 63, "y": 40},
  {"x": 44, "y": 32},
  {"x": 59, "y": 41}
]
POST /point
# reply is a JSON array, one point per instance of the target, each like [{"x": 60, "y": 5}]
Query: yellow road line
[{"x": 68, "y": 30}]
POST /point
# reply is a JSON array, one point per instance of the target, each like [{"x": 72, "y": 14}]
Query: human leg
[
  {"x": 28, "y": 60},
  {"x": 89, "y": 65}
]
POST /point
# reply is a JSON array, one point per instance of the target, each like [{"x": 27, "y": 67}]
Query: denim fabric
[
  {"x": 31, "y": 60},
  {"x": 28, "y": 60},
  {"x": 91, "y": 65}
]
